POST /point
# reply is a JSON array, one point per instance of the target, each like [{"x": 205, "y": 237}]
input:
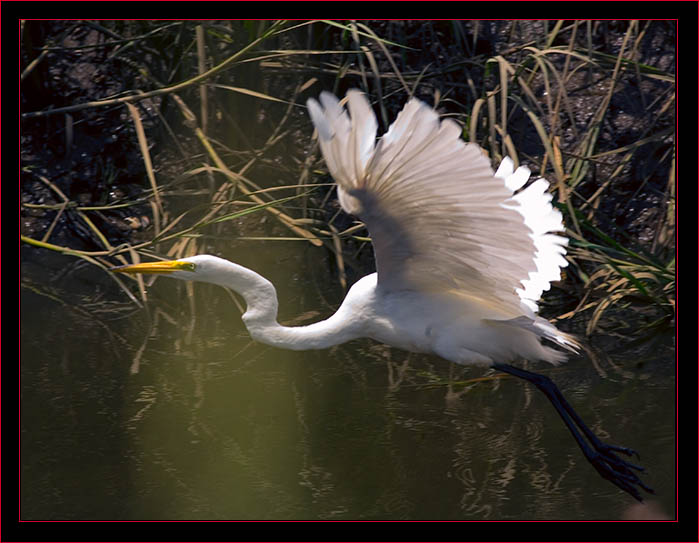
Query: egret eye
[{"x": 186, "y": 266}]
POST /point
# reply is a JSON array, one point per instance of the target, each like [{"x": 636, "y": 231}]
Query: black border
[{"x": 683, "y": 530}]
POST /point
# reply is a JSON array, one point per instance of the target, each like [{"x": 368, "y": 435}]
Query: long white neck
[{"x": 260, "y": 318}]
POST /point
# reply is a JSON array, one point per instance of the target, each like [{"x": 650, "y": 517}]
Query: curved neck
[{"x": 260, "y": 318}]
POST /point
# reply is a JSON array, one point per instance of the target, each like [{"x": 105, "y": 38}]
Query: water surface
[{"x": 170, "y": 411}]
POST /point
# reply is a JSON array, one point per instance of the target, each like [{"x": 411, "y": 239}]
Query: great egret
[{"x": 462, "y": 256}]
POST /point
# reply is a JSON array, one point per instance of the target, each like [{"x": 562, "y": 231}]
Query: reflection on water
[{"x": 172, "y": 412}]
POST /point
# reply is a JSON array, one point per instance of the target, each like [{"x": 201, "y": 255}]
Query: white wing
[{"x": 438, "y": 216}]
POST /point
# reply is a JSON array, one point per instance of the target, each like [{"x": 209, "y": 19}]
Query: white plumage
[{"x": 446, "y": 229}]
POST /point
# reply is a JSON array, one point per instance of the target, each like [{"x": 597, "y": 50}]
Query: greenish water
[{"x": 171, "y": 412}]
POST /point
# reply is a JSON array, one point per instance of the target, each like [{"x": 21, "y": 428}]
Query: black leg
[{"x": 599, "y": 454}]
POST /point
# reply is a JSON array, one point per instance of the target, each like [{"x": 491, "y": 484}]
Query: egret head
[
  {"x": 193, "y": 268},
  {"x": 208, "y": 269}
]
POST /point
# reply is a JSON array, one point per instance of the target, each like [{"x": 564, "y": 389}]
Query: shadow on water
[{"x": 172, "y": 412}]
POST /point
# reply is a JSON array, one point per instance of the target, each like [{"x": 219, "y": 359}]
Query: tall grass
[{"x": 202, "y": 110}]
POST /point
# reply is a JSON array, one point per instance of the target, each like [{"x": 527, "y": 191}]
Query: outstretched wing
[{"x": 439, "y": 218}]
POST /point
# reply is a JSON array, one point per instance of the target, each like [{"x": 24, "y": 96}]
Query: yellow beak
[{"x": 162, "y": 266}]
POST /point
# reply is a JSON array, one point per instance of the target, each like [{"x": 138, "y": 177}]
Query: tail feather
[{"x": 544, "y": 329}]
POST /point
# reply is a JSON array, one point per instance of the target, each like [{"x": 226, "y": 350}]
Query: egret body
[{"x": 463, "y": 254}]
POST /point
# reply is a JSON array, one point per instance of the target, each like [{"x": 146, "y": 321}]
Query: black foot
[
  {"x": 616, "y": 470},
  {"x": 601, "y": 455}
]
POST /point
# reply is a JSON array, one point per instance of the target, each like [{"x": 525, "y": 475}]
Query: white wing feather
[{"x": 439, "y": 218}]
